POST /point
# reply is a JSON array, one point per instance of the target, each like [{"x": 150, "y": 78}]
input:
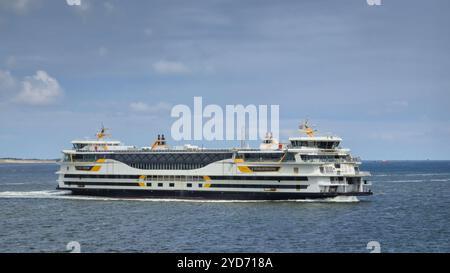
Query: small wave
[
  {"x": 410, "y": 174},
  {"x": 408, "y": 181},
  {"x": 13, "y": 183},
  {"x": 426, "y": 174},
  {"x": 440, "y": 180},
  {"x": 60, "y": 194},
  {"x": 414, "y": 181}
]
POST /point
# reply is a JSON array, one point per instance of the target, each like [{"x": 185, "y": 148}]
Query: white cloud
[
  {"x": 142, "y": 107},
  {"x": 81, "y": 5},
  {"x": 40, "y": 89},
  {"x": 73, "y": 2},
  {"x": 19, "y": 6},
  {"x": 7, "y": 82},
  {"x": 86, "y": 5},
  {"x": 139, "y": 107},
  {"x": 168, "y": 67}
]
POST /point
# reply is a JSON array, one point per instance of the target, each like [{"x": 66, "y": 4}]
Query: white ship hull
[{"x": 226, "y": 179}]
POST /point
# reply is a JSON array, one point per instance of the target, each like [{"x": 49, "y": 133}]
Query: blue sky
[{"x": 375, "y": 75}]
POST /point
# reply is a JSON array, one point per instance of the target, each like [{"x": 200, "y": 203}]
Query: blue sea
[{"x": 409, "y": 212}]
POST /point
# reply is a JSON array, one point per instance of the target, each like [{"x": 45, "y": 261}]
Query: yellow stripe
[
  {"x": 96, "y": 168},
  {"x": 244, "y": 169},
  {"x": 101, "y": 160},
  {"x": 206, "y": 178}
]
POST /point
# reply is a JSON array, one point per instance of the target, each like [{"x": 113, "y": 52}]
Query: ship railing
[
  {"x": 164, "y": 151},
  {"x": 351, "y": 160},
  {"x": 338, "y": 182}
]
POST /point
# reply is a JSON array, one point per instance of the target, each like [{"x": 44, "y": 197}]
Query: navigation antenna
[
  {"x": 306, "y": 128},
  {"x": 102, "y": 133}
]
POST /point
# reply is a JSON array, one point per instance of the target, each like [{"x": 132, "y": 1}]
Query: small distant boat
[{"x": 306, "y": 167}]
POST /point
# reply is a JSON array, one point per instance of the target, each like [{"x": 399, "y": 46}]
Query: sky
[{"x": 377, "y": 76}]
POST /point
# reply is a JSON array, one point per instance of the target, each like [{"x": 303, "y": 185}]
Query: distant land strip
[{"x": 27, "y": 161}]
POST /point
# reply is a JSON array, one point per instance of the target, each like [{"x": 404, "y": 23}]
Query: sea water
[{"x": 409, "y": 212}]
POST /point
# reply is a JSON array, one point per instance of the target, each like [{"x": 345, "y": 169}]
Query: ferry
[{"x": 308, "y": 166}]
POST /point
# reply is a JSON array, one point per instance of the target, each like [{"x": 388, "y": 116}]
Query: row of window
[
  {"x": 122, "y": 184},
  {"x": 315, "y": 144},
  {"x": 109, "y": 176},
  {"x": 352, "y": 180},
  {"x": 190, "y": 177},
  {"x": 177, "y": 161},
  {"x": 189, "y": 185},
  {"x": 272, "y": 157},
  {"x": 161, "y": 161},
  {"x": 166, "y": 166},
  {"x": 174, "y": 178},
  {"x": 325, "y": 157},
  {"x": 83, "y": 168},
  {"x": 336, "y": 178}
]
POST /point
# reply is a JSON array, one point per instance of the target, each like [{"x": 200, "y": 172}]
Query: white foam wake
[
  {"x": 32, "y": 194},
  {"x": 51, "y": 194},
  {"x": 337, "y": 199}
]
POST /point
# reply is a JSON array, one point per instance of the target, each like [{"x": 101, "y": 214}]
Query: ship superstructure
[{"x": 307, "y": 166}]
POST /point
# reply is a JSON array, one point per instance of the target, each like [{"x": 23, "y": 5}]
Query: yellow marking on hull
[
  {"x": 96, "y": 168},
  {"x": 206, "y": 178},
  {"x": 206, "y": 185},
  {"x": 244, "y": 169},
  {"x": 142, "y": 184},
  {"x": 142, "y": 177},
  {"x": 101, "y": 160}
]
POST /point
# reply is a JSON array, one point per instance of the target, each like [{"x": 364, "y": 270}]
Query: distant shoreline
[{"x": 28, "y": 161}]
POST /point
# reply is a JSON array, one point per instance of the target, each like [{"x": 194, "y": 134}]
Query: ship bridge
[{"x": 319, "y": 142}]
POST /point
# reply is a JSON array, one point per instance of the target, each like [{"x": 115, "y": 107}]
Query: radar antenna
[
  {"x": 102, "y": 133},
  {"x": 307, "y": 129}
]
